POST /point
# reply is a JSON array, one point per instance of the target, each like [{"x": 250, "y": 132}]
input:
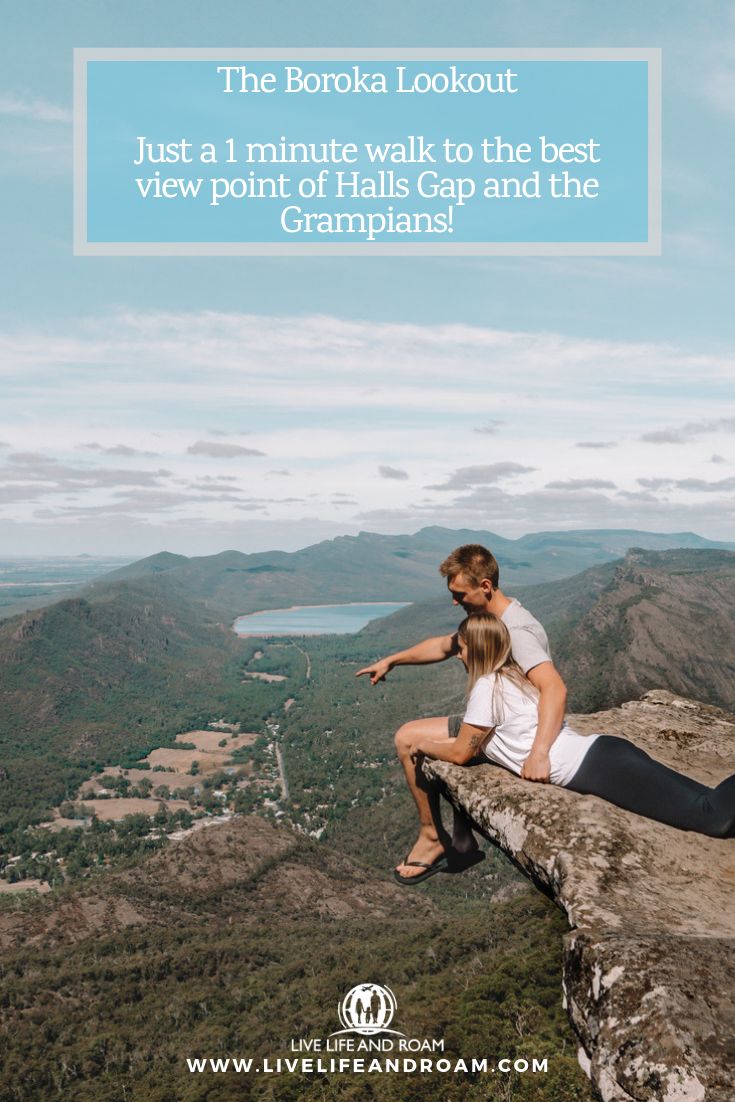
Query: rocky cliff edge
[{"x": 649, "y": 963}]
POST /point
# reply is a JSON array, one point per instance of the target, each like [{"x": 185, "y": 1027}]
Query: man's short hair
[{"x": 474, "y": 561}]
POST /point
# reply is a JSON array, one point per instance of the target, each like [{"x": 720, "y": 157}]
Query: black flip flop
[
  {"x": 435, "y": 866},
  {"x": 460, "y": 862}
]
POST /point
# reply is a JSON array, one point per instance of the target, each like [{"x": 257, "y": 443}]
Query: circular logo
[{"x": 367, "y": 1008}]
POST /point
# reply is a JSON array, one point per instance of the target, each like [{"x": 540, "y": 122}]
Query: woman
[{"x": 500, "y": 723}]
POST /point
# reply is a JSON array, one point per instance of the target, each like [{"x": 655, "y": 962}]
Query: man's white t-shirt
[
  {"x": 528, "y": 640},
  {"x": 496, "y": 701}
]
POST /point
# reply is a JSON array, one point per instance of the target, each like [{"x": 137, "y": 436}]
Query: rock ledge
[{"x": 649, "y": 964}]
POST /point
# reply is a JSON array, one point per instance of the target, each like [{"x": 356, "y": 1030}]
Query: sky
[{"x": 195, "y": 404}]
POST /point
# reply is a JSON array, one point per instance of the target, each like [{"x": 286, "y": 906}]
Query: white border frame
[{"x": 83, "y": 247}]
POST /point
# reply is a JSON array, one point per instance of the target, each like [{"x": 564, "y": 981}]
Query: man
[{"x": 472, "y": 575}]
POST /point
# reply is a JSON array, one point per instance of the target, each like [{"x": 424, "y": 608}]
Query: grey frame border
[{"x": 82, "y": 247}]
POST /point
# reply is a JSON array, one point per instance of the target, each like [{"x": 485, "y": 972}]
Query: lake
[{"x": 340, "y": 619}]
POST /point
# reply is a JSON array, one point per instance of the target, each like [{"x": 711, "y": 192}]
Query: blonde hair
[{"x": 489, "y": 651}]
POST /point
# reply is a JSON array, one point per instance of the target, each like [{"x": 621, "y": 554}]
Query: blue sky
[{"x": 201, "y": 403}]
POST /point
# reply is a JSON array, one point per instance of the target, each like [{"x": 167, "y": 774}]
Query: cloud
[
  {"x": 220, "y": 451},
  {"x": 41, "y": 474},
  {"x": 487, "y": 499},
  {"x": 228, "y": 432},
  {"x": 149, "y": 502},
  {"x": 701, "y": 486},
  {"x": 489, "y": 428},
  {"x": 212, "y": 486},
  {"x": 29, "y": 467},
  {"x": 581, "y": 484},
  {"x": 38, "y": 109},
  {"x": 691, "y": 485},
  {"x": 118, "y": 449},
  {"x": 392, "y": 472},
  {"x": 491, "y": 508},
  {"x": 718, "y": 459},
  {"x": 465, "y": 477},
  {"x": 217, "y": 478},
  {"x": 29, "y": 459},
  {"x": 20, "y": 493},
  {"x": 686, "y": 432},
  {"x": 665, "y": 436},
  {"x": 211, "y": 354},
  {"x": 300, "y": 381},
  {"x": 637, "y": 495},
  {"x": 656, "y": 483}
]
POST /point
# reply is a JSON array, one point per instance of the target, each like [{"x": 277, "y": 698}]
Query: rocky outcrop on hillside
[
  {"x": 245, "y": 868},
  {"x": 649, "y": 963}
]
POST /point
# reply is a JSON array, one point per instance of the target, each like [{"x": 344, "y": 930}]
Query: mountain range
[{"x": 375, "y": 567}]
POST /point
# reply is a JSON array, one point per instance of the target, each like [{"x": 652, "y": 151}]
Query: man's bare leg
[{"x": 433, "y": 839}]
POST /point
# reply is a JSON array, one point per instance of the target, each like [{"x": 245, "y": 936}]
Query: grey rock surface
[{"x": 649, "y": 963}]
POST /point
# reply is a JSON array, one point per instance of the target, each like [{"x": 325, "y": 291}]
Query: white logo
[{"x": 367, "y": 1009}]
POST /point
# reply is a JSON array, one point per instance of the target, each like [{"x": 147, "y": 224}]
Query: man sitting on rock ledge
[{"x": 472, "y": 575}]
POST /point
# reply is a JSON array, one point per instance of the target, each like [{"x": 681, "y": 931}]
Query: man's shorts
[{"x": 455, "y": 722}]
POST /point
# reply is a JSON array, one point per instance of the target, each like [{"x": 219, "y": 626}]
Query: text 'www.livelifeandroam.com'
[{"x": 406, "y": 1065}]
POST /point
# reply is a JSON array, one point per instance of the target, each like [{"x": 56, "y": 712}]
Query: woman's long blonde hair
[{"x": 489, "y": 651}]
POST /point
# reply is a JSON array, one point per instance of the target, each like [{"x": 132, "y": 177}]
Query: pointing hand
[{"x": 377, "y": 671}]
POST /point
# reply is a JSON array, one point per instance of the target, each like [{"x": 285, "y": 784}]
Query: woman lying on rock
[{"x": 500, "y": 724}]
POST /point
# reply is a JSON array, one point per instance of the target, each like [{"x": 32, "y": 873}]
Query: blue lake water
[{"x": 314, "y": 619}]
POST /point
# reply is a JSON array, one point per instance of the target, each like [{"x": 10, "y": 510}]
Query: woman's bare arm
[{"x": 457, "y": 750}]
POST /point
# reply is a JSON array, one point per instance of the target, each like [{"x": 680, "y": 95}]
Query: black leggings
[{"x": 618, "y": 771}]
